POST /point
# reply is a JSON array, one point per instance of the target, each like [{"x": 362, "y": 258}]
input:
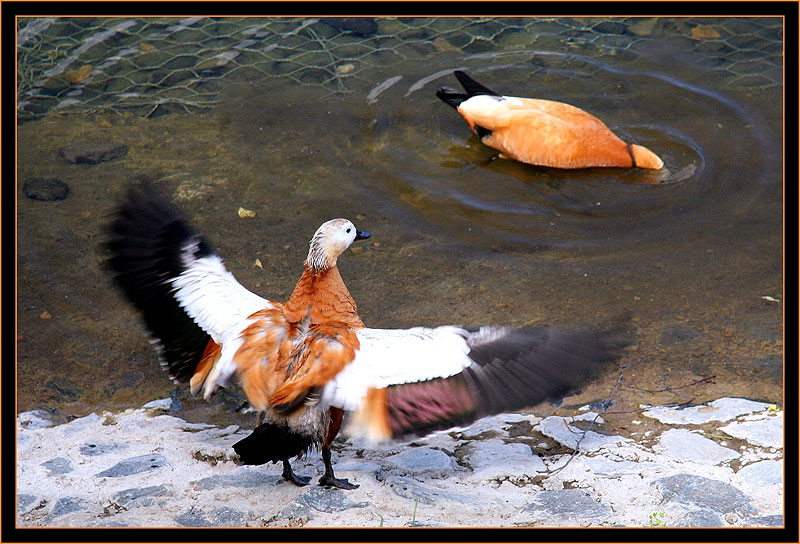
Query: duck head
[{"x": 331, "y": 240}]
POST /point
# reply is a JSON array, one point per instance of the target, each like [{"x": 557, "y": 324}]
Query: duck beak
[{"x": 362, "y": 234}]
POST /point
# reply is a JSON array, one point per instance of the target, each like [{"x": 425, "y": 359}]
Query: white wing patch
[
  {"x": 214, "y": 299},
  {"x": 394, "y": 356}
]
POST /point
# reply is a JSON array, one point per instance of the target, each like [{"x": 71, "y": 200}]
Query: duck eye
[{"x": 348, "y": 230}]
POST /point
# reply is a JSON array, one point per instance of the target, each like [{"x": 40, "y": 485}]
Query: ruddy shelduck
[
  {"x": 302, "y": 364},
  {"x": 542, "y": 132}
]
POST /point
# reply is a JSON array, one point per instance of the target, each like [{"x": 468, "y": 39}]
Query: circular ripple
[{"x": 707, "y": 141}]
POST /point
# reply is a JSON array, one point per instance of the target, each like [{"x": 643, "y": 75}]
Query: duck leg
[
  {"x": 328, "y": 478},
  {"x": 290, "y": 476}
]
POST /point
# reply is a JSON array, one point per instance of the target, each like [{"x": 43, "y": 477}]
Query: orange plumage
[{"x": 543, "y": 132}]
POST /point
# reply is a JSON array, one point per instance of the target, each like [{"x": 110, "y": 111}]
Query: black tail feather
[
  {"x": 472, "y": 87},
  {"x": 269, "y": 442},
  {"x": 450, "y": 96}
]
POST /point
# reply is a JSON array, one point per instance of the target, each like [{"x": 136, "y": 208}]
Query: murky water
[{"x": 689, "y": 253}]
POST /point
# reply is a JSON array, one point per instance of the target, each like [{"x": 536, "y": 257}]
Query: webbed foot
[{"x": 290, "y": 476}]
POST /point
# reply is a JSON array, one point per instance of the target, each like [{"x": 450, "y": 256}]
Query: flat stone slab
[
  {"x": 767, "y": 432},
  {"x": 610, "y": 468},
  {"x": 704, "y": 493},
  {"x": 700, "y": 518},
  {"x": 494, "y": 459},
  {"x": 92, "y": 449},
  {"x": 242, "y": 477},
  {"x": 762, "y": 473},
  {"x": 142, "y": 496},
  {"x": 25, "y": 502},
  {"x": 764, "y": 521},
  {"x": 562, "y": 431},
  {"x": 423, "y": 460},
  {"x": 220, "y": 517},
  {"x": 59, "y": 465},
  {"x": 426, "y": 494},
  {"x": 67, "y": 505},
  {"x": 724, "y": 409},
  {"x": 568, "y": 504},
  {"x": 495, "y": 424},
  {"x": 159, "y": 404},
  {"x": 329, "y": 500},
  {"x": 135, "y": 465},
  {"x": 685, "y": 445}
]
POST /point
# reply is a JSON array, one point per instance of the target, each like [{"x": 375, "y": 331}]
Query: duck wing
[
  {"x": 416, "y": 381},
  {"x": 191, "y": 304}
]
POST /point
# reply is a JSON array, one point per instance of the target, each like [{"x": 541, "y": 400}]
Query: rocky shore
[{"x": 714, "y": 465}]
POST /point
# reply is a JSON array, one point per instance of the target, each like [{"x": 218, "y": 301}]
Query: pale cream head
[{"x": 331, "y": 240}]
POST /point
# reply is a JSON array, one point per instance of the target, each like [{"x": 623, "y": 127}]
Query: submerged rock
[
  {"x": 93, "y": 152},
  {"x": 47, "y": 189}
]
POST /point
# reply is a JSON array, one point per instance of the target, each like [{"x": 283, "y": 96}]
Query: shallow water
[{"x": 349, "y": 125}]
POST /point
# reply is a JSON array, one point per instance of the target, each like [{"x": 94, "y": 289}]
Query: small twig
[
  {"x": 603, "y": 411},
  {"x": 669, "y": 389}
]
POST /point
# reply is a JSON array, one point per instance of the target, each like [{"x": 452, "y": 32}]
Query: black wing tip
[
  {"x": 146, "y": 248},
  {"x": 512, "y": 369}
]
